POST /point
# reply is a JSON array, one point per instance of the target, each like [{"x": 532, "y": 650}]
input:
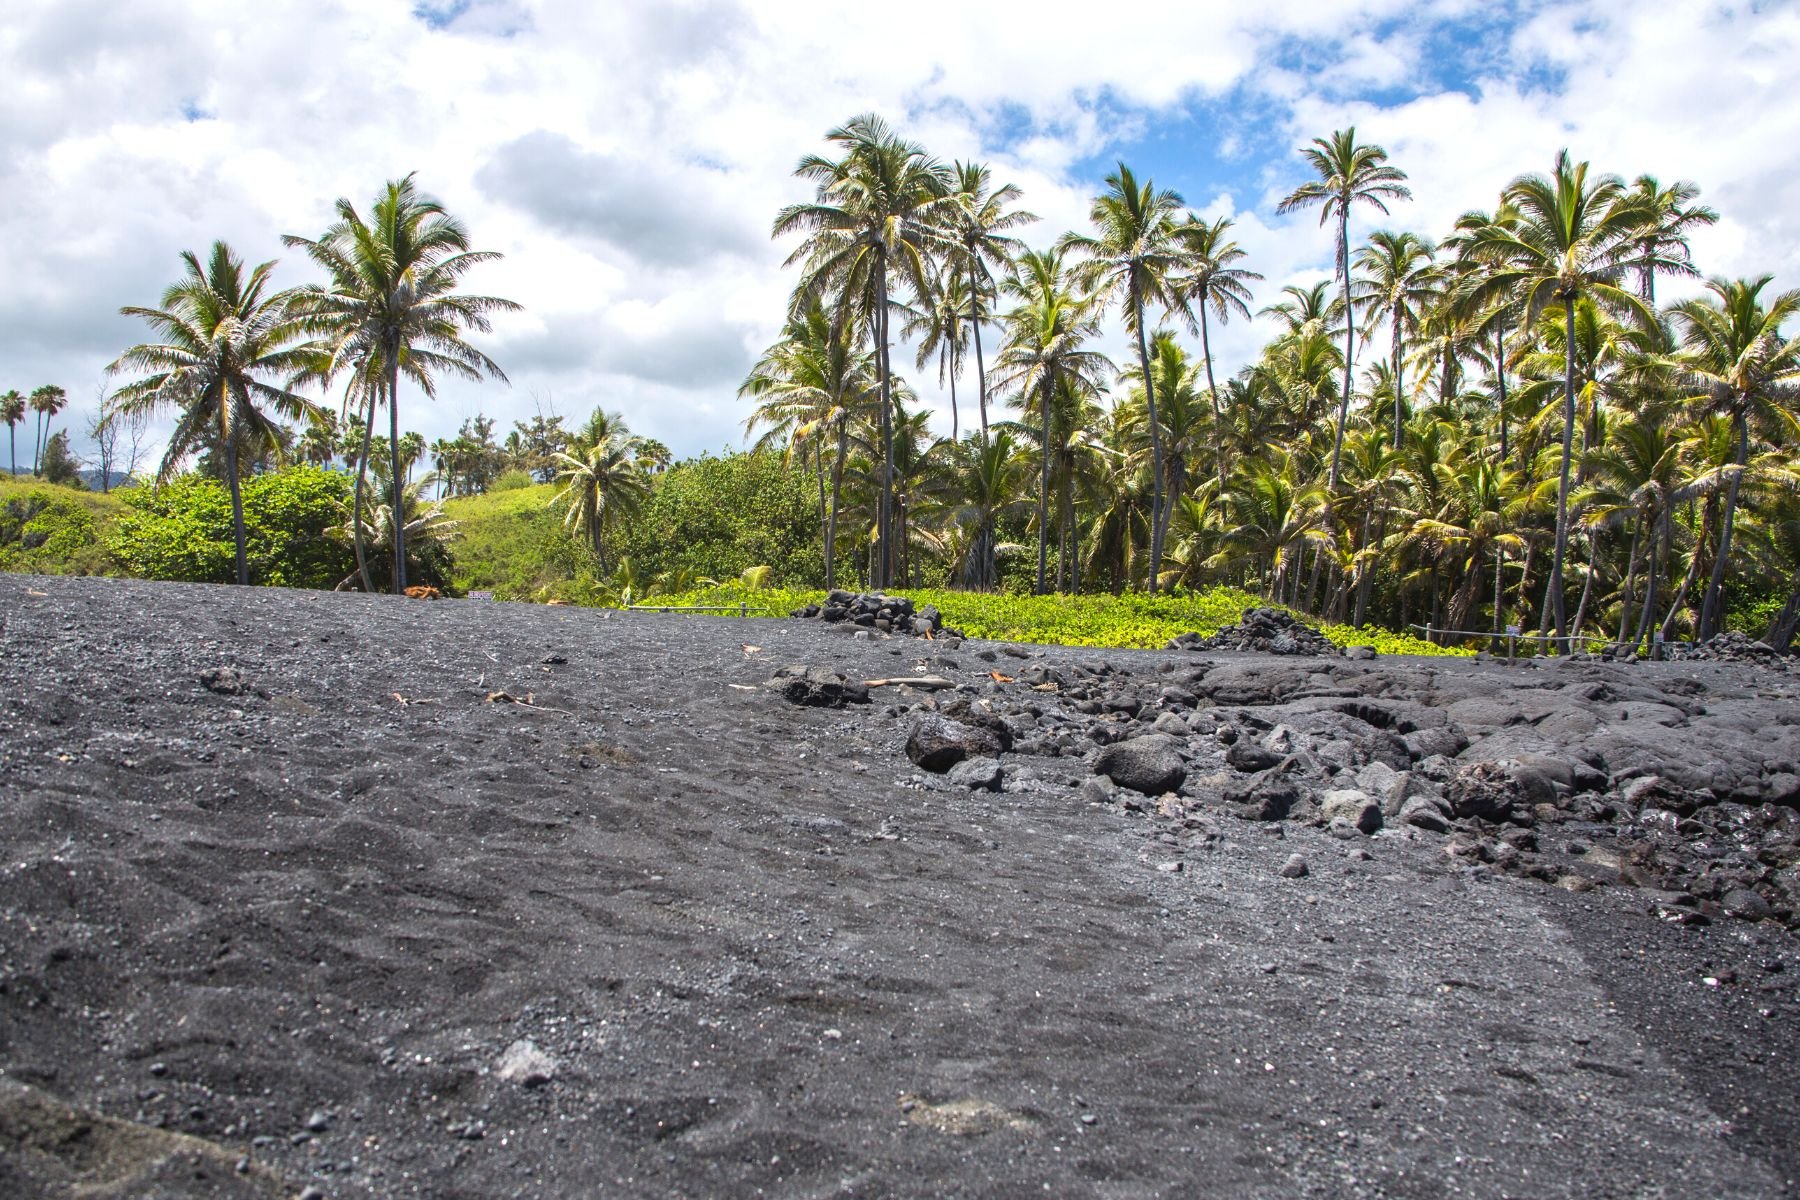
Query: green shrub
[
  {"x": 715, "y": 517},
  {"x": 512, "y": 544},
  {"x": 292, "y": 526},
  {"x": 43, "y": 532},
  {"x": 512, "y": 481}
]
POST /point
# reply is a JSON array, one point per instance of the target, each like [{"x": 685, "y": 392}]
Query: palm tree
[
  {"x": 425, "y": 527},
  {"x": 1211, "y": 280},
  {"x": 392, "y": 308},
  {"x": 602, "y": 487},
  {"x": 1131, "y": 260},
  {"x": 980, "y": 221},
  {"x": 1738, "y": 363},
  {"x": 222, "y": 331},
  {"x": 1349, "y": 174},
  {"x": 46, "y": 402},
  {"x": 1397, "y": 286},
  {"x": 984, "y": 482},
  {"x": 12, "y": 411},
  {"x": 941, "y": 321},
  {"x": 1570, "y": 239},
  {"x": 1661, "y": 247},
  {"x": 879, "y": 210},
  {"x": 1174, "y": 381},
  {"x": 1044, "y": 341},
  {"x": 810, "y": 385}
]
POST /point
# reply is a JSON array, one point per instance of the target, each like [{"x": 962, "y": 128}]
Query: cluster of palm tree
[
  {"x": 46, "y": 402},
  {"x": 233, "y": 353},
  {"x": 1534, "y": 441}
]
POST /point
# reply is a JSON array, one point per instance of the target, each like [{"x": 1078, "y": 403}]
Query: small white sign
[
  {"x": 1659, "y": 637},
  {"x": 1512, "y": 631}
]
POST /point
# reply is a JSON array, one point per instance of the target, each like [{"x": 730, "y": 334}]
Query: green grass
[
  {"x": 48, "y": 529},
  {"x": 1128, "y": 621},
  {"x": 510, "y": 542}
]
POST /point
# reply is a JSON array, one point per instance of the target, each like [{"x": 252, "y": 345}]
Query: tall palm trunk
[
  {"x": 393, "y": 393},
  {"x": 1499, "y": 591},
  {"x": 1652, "y": 572},
  {"x": 1366, "y": 570},
  {"x": 237, "y": 509},
  {"x": 1500, "y": 375},
  {"x": 1587, "y": 587},
  {"x": 1212, "y": 392},
  {"x": 953, "y": 373},
  {"x": 1712, "y": 611},
  {"x": 362, "y": 474},
  {"x": 36, "y": 439},
  {"x": 1343, "y": 413},
  {"x": 1693, "y": 570},
  {"x": 12, "y": 433},
  {"x": 1158, "y": 518},
  {"x": 1553, "y": 594},
  {"x": 1627, "y": 597},
  {"x": 884, "y": 567},
  {"x": 980, "y": 364},
  {"x": 837, "y": 489},
  {"x": 1399, "y": 380},
  {"x": 1044, "y": 488}
]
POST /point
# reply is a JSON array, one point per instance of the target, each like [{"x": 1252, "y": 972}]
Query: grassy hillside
[
  {"x": 510, "y": 542},
  {"x": 47, "y": 529}
]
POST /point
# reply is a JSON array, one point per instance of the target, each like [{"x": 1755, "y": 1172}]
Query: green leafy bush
[
  {"x": 513, "y": 544},
  {"x": 715, "y": 517},
  {"x": 292, "y": 525},
  {"x": 44, "y": 532}
]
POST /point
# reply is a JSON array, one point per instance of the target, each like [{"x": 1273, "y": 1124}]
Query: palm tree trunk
[
  {"x": 1587, "y": 587},
  {"x": 393, "y": 368},
  {"x": 1212, "y": 391},
  {"x": 1366, "y": 570},
  {"x": 1500, "y": 375},
  {"x": 1693, "y": 571},
  {"x": 362, "y": 473},
  {"x": 1712, "y": 612},
  {"x": 1652, "y": 572},
  {"x": 885, "y": 504},
  {"x": 237, "y": 511},
  {"x": 1044, "y": 491},
  {"x": 1553, "y": 594},
  {"x": 1626, "y": 592},
  {"x": 1499, "y": 592},
  {"x": 1399, "y": 387},
  {"x": 1781, "y": 630},
  {"x": 837, "y": 488},
  {"x": 1343, "y": 413},
  {"x": 37, "y": 438},
  {"x": 1156, "y": 450},
  {"x": 12, "y": 433},
  {"x": 980, "y": 365}
]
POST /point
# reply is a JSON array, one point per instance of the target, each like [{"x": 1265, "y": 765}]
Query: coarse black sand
[{"x": 278, "y": 935}]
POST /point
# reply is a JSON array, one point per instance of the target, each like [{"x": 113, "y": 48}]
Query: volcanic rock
[
  {"x": 1151, "y": 764},
  {"x": 938, "y": 743}
]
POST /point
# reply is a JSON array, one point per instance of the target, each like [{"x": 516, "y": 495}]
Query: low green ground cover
[{"x": 1128, "y": 621}]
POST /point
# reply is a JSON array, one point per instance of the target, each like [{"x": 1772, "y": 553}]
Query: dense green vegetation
[
  {"x": 49, "y": 529},
  {"x": 1501, "y": 426}
]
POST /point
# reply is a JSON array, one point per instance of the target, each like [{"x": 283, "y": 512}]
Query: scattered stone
[
  {"x": 1270, "y": 630},
  {"x": 1358, "y": 809},
  {"x": 1746, "y": 905},
  {"x": 1294, "y": 868},
  {"x": 938, "y": 743},
  {"x": 1425, "y": 812},
  {"x": 978, "y": 774},
  {"x": 1151, "y": 764},
  {"x": 817, "y": 687},
  {"x": 880, "y": 612},
  {"x": 319, "y": 1122},
  {"x": 224, "y": 681},
  {"x": 526, "y": 1065}
]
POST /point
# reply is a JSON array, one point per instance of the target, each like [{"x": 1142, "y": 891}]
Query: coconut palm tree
[
  {"x": 1396, "y": 287},
  {"x": 12, "y": 411},
  {"x": 1735, "y": 361},
  {"x": 1046, "y": 334},
  {"x": 941, "y": 321},
  {"x": 223, "y": 332},
  {"x": 979, "y": 223},
  {"x": 393, "y": 307},
  {"x": 878, "y": 217},
  {"x": 1348, "y": 174},
  {"x": 427, "y": 530},
  {"x": 1130, "y": 259},
  {"x": 984, "y": 483},
  {"x": 1662, "y": 247},
  {"x": 1210, "y": 279},
  {"x": 810, "y": 387},
  {"x": 1570, "y": 238},
  {"x": 602, "y": 486},
  {"x": 46, "y": 402}
]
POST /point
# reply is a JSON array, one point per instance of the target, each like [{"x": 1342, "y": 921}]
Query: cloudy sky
[{"x": 628, "y": 157}]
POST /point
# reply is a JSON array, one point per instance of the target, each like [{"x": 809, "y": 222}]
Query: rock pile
[
  {"x": 880, "y": 612},
  {"x": 1267, "y": 629},
  {"x": 1726, "y": 647}
]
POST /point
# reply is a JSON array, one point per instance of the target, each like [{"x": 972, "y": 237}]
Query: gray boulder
[
  {"x": 1354, "y": 807},
  {"x": 1151, "y": 764},
  {"x": 938, "y": 743},
  {"x": 981, "y": 774}
]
